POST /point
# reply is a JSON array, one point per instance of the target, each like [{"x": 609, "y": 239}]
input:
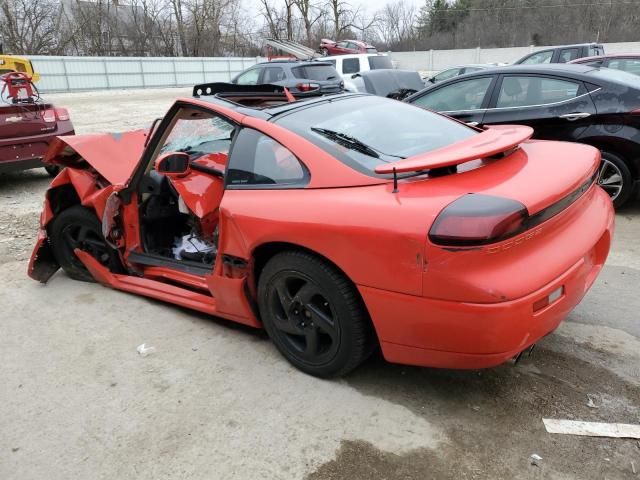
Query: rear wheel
[
  {"x": 78, "y": 227},
  {"x": 314, "y": 315},
  {"x": 615, "y": 178}
]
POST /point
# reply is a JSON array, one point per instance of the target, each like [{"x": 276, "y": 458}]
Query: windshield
[
  {"x": 390, "y": 128},
  {"x": 379, "y": 62}
]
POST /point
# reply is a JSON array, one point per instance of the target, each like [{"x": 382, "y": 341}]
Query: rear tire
[
  {"x": 615, "y": 178},
  {"x": 314, "y": 315},
  {"x": 78, "y": 227}
]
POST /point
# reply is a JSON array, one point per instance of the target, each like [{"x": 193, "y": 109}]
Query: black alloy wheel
[
  {"x": 78, "y": 227},
  {"x": 313, "y": 314}
]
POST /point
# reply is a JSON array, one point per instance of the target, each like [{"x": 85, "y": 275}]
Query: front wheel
[
  {"x": 314, "y": 315},
  {"x": 615, "y": 178},
  {"x": 78, "y": 227}
]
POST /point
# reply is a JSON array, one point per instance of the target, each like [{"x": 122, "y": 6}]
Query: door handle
[
  {"x": 472, "y": 124},
  {"x": 572, "y": 117}
]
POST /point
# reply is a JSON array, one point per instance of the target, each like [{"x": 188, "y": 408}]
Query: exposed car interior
[{"x": 174, "y": 225}]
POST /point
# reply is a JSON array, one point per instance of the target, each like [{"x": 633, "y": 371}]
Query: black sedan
[{"x": 600, "y": 107}]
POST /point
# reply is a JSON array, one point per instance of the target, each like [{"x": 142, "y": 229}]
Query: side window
[
  {"x": 197, "y": 133},
  {"x": 568, "y": 54},
  {"x": 250, "y": 77},
  {"x": 452, "y": 72},
  {"x": 631, "y": 65},
  {"x": 257, "y": 159},
  {"x": 464, "y": 95},
  {"x": 528, "y": 91},
  {"x": 350, "y": 65},
  {"x": 341, "y": 44},
  {"x": 273, "y": 74},
  {"x": 537, "y": 58}
]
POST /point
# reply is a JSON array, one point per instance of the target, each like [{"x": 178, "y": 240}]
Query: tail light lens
[
  {"x": 62, "y": 114},
  {"x": 476, "y": 219},
  {"x": 307, "y": 87},
  {"x": 49, "y": 116}
]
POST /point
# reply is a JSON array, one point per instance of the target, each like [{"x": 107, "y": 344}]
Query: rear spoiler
[
  {"x": 222, "y": 90},
  {"x": 493, "y": 141}
]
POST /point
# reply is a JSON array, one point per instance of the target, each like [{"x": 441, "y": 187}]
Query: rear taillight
[
  {"x": 62, "y": 114},
  {"x": 307, "y": 87},
  {"x": 476, "y": 219},
  {"x": 49, "y": 116}
]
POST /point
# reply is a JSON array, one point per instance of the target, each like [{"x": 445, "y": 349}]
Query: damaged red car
[
  {"x": 345, "y": 47},
  {"x": 340, "y": 224}
]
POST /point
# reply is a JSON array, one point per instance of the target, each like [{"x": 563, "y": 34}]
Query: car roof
[
  {"x": 549, "y": 68},
  {"x": 551, "y": 47},
  {"x": 293, "y": 62},
  {"x": 605, "y": 56},
  {"x": 356, "y": 55}
]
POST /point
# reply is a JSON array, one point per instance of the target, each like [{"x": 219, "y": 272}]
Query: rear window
[
  {"x": 315, "y": 72},
  {"x": 379, "y": 62},
  {"x": 393, "y": 129},
  {"x": 371, "y": 50},
  {"x": 596, "y": 50},
  {"x": 618, "y": 76}
]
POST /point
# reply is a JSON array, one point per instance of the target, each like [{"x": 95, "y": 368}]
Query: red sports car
[
  {"x": 339, "y": 224},
  {"x": 27, "y": 124},
  {"x": 345, "y": 47}
]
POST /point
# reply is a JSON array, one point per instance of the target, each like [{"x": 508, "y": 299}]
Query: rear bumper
[
  {"x": 27, "y": 152},
  {"x": 449, "y": 334}
]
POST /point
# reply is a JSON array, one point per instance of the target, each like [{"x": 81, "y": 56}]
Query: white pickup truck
[{"x": 350, "y": 65}]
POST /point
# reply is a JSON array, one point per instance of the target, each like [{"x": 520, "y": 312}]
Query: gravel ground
[{"x": 215, "y": 400}]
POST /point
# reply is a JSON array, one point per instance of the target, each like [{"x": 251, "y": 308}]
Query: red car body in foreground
[
  {"x": 345, "y": 47},
  {"x": 466, "y": 258}
]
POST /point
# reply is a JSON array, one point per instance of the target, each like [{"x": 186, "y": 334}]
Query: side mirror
[
  {"x": 432, "y": 80},
  {"x": 173, "y": 164}
]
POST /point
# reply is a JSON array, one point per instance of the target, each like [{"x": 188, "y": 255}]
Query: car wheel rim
[
  {"x": 87, "y": 240},
  {"x": 610, "y": 178},
  {"x": 303, "y": 318}
]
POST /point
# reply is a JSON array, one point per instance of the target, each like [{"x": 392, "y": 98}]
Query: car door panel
[{"x": 566, "y": 119}]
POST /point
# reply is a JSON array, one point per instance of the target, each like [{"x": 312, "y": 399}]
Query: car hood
[{"x": 112, "y": 155}]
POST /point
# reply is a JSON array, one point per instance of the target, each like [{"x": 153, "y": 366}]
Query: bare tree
[{"x": 29, "y": 27}]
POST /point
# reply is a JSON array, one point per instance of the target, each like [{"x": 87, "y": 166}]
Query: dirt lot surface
[{"x": 216, "y": 401}]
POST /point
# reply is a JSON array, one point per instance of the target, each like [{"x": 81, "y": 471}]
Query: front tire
[
  {"x": 78, "y": 227},
  {"x": 615, "y": 178},
  {"x": 314, "y": 315}
]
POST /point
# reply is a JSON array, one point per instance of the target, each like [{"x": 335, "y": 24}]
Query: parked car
[
  {"x": 562, "y": 54},
  {"x": 350, "y": 65},
  {"x": 336, "y": 224},
  {"x": 28, "y": 124},
  {"x": 455, "y": 71},
  {"x": 396, "y": 84},
  {"x": 575, "y": 103},
  {"x": 627, "y": 62},
  {"x": 345, "y": 47},
  {"x": 298, "y": 76}
]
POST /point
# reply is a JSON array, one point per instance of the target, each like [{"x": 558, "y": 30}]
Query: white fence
[
  {"x": 69, "y": 74},
  {"x": 436, "y": 60}
]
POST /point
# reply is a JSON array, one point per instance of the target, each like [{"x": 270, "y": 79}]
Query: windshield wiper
[{"x": 347, "y": 141}]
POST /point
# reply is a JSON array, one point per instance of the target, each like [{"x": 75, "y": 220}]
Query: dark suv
[
  {"x": 562, "y": 54},
  {"x": 298, "y": 76}
]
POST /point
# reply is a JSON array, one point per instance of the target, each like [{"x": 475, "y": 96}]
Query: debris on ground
[
  {"x": 535, "y": 459},
  {"x": 144, "y": 351},
  {"x": 592, "y": 400},
  {"x": 592, "y": 429}
]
